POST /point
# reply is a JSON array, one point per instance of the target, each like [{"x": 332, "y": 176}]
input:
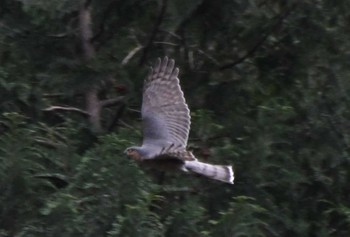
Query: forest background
[{"x": 267, "y": 82}]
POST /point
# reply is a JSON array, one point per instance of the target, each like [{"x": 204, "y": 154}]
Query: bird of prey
[{"x": 166, "y": 124}]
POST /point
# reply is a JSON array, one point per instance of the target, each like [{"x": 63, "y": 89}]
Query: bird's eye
[{"x": 130, "y": 150}]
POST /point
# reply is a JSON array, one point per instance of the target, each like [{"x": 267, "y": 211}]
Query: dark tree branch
[
  {"x": 117, "y": 117},
  {"x": 110, "y": 9},
  {"x": 154, "y": 32},
  {"x": 111, "y": 102},
  {"x": 260, "y": 42},
  {"x": 189, "y": 17}
]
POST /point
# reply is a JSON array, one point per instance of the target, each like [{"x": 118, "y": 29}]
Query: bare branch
[
  {"x": 62, "y": 108},
  {"x": 134, "y": 110},
  {"x": 111, "y": 102},
  {"x": 131, "y": 54},
  {"x": 171, "y": 34},
  {"x": 47, "y": 95},
  {"x": 165, "y": 43},
  {"x": 171, "y": 189},
  {"x": 126, "y": 125},
  {"x": 59, "y": 35},
  {"x": 211, "y": 58}
]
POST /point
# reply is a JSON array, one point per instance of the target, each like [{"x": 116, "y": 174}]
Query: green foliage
[
  {"x": 243, "y": 218},
  {"x": 267, "y": 85},
  {"x": 101, "y": 191}
]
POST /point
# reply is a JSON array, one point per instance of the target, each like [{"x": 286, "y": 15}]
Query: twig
[
  {"x": 171, "y": 189},
  {"x": 47, "y": 95},
  {"x": 171, "y": 33},
  {"x": 62, "y": 108},
  {"x": 131, "y": 54},
  {"x": 59, "y": 35},
  {"x": 165, "y": 43},
  {"x": 126, "y": 125},
  {"x": 211, "y": 58},
  {"x": 134, "y": 110},
  {"x": 111, "y": 102}
]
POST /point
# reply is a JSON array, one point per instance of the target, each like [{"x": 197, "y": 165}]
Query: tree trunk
[{"x": 93, "y": 106}]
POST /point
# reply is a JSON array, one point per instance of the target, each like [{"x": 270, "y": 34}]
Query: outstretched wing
[{"x": 165, "y": 114}]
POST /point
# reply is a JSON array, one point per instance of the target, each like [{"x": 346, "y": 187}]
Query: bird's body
[{"x": 166, "y": 124}]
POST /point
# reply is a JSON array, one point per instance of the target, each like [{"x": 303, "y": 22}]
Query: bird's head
[{"x": 133, "y": 153}]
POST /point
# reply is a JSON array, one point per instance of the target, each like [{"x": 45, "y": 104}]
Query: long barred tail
[{"x": 219, "y": 172}]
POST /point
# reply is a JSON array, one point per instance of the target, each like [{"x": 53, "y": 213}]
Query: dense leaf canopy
[{"x": 267, "y": 84}]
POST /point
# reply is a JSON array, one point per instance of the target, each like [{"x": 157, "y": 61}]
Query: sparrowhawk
[{"x": 166, "y": 124}]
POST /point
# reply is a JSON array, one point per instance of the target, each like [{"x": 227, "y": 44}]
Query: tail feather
[{"x": 219, "y": 172}]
